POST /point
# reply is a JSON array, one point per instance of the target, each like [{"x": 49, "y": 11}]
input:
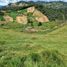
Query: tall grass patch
[{"x": 45, "y": 58}]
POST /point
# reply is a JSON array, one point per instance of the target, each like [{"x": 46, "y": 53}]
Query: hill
[
  {"x": 23, "y": 16},
  {"x": 38, "y": 45},
  {"x": 54, "y": 10}
]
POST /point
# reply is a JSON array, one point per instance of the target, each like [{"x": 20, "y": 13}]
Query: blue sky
[{"x": 5, "y": 2}]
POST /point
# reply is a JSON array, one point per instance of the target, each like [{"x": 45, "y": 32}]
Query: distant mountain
[
  {"x": 16, "y": 6},
  {"x": 1, "y": 7},
  {"x": 53, "y": 4}
]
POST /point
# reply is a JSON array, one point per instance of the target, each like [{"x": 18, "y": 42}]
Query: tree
[{"x": 30, "y": 18}]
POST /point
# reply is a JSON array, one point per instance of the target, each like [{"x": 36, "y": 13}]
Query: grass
[
  {"x": 1, "y": 18},
  {"x": 21, "y": 49},
  {"x": 13, "y": 14}
]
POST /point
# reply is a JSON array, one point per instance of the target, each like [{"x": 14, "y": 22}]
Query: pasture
[{"x": 23, "y": 49}]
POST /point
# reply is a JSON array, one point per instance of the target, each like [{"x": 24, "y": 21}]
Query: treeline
[{"x": 53, "y": 12}]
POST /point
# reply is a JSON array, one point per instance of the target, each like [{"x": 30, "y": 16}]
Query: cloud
[
  {"x": 4, "y": 2},
  {"x": 13, "y": 1}
]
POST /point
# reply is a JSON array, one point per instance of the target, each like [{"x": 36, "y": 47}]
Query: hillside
[
  {"x": 54, "y": 10},
  {"x": 33, "y": 34},
  {"x": 23, "y": 16}
]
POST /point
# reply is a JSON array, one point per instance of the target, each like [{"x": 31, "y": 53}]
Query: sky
[{"x": 6, "y": 2}]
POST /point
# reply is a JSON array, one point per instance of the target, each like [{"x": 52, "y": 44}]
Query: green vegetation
[
  {"x": 21, "y": 49},
  {"x": 46, "y": 27},
  {"x": 13, "y": 14},
  {"x": 1, "y": 18},
  {"x": 45, "y": 48},
  {"x": 54, "y": 10}
]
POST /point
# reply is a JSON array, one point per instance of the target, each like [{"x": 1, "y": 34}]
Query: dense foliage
[{"x": 54, "y": 10}]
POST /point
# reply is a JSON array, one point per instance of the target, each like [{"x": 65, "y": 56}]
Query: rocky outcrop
[
  {"x": 8, "y": 18},
  {"x": 39, "y": 17},
  {"x": 3, "y": 22},
  {"x": 21, "y": 19},
  {"x": 30, "y": 9}
]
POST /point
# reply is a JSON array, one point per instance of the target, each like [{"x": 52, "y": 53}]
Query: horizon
[{"x": 6, "y": 2}]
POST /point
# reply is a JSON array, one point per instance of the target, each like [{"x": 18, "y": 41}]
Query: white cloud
[
  {"x": 13, "y": 1},
  {"x": 4, "y": 2}
]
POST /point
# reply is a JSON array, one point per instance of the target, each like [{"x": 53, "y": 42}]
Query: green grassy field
[{"x": 46, "y": 50}]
